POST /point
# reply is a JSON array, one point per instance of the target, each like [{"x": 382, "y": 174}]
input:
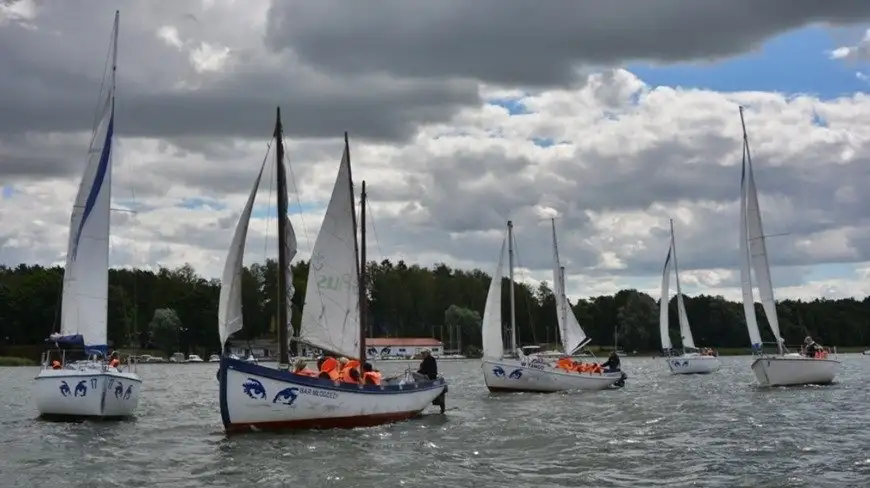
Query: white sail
[
  {"x": 84, "y": 307},
  {"x": 230, "y": 300},
  {"x": 745, "y": 270},
  {"x": 570, "y": 332},
  {"x": 491, "y": 327},
  {"x": 330, "y": 317},
  {"x": 758, "y": 253},
  {"x": 685, "y": 330},
  {"x": 663, "y": 304}
]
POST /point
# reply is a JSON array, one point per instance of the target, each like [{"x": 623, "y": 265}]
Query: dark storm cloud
[
  {"x": 50, "y": 78},
  {"x": 540, "y": 43}
]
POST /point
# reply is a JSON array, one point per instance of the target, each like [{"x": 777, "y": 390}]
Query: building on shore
[{"x": 402, "y": 347}]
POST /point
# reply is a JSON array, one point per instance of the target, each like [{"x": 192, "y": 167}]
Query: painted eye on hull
[{"x": 254, "y": 389}]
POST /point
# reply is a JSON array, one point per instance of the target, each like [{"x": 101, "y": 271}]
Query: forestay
[
  {"x": 330, "y": 317},
  {"x": 491, "y": 328},
  {"x": 86, "y": 275},
  {"x": 570, "y": 332}
]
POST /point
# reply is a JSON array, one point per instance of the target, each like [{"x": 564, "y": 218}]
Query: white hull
[
  {"x": 693, "y": 364},
  {"x": 86, "y": 393},
  {"x": 509, "y": 375},
  {"x": 254, "y": 397},
  {"x": 793, "y": 370}
]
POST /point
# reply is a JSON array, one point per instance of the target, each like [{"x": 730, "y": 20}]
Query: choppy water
[{"x": 660, "y": 430}]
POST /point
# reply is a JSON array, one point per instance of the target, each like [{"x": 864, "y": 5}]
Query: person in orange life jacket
[
  {"x": 114, "y": 362},
  {"x": 56, "y": 364},
  {"x": 371, "y": 376},
  {"x": 811, "y": 348},
  {"x": 612, "y": 363}
]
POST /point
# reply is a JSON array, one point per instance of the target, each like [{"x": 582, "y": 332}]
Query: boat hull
[
  {"x": 65, "y": 393},
  {"x": 693, "y": 364},
  {"x": 255, "y": 397},
  {"x": 793, "y": 370},
  {"x": 509, "y": 375}
]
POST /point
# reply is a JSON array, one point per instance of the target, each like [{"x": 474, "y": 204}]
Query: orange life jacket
[
  {"x": 114, "y": 363},
  {"x": 305, "y": 372},
  {"x": 330, "y": 367},
  {"x": 371, "y": 378},
  {"x": 55, "y": 364}
]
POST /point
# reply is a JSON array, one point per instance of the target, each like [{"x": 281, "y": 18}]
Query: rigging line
[
  {"x": 523, "y": 279},
  {"x": 371, "y": 220},
  {"x": 298, "y": 203}
]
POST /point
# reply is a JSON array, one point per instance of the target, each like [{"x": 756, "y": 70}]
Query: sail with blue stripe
[{"x": 86, "y": 275}]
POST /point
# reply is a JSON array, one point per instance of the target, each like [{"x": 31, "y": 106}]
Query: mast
[
  {"x": 283, "y": 352},
  {"x": 358, "y": 250},
  {"x": 560, "y": 286},
  {"x": 363, "y": 296},
  {"x": 511, "y": 277}
]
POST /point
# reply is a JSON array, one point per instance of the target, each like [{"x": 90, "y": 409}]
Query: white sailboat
[
  {"x": 520, "y": 373},
  {"x": 257, "y": 397},
  {"x": 690, "y": 361},
  {"x": 76, "y": 380},
  {"x": 783, "y": 368}
]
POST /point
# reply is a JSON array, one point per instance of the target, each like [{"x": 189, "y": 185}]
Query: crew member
[
  {"x": 612, "y": 363},
  {"x": 429, "y": 369}
]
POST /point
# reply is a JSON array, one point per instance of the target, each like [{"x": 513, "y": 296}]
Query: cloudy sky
[{"x": 615, "y": 116}]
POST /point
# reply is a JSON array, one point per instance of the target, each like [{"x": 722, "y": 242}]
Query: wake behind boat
[
  {"x": 690, "y": 361},
  {"x": 257, "y": 397},
  {"x": 518, "y": 372},
  {"x": 77, "y": 379},
  {"x": 784, "y": 368}
]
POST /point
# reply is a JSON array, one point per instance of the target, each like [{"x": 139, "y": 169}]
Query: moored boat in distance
[
  {"x": 784, "y": 368},
  {"x": 692, "y": 360},
  {"x": 258, "y": 397},
  {"x": 77, "y": 379}
]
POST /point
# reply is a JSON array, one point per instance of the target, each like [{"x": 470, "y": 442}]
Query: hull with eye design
[
  {"x": 98, "y": 392},
  {"x": 510, "y": 375},
  {"x": 255, "y": 397}
]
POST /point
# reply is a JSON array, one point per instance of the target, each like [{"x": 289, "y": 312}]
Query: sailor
[
  {"x": 612, "y": 363},
  {"x": 371, "y": 376},
  {"x": 811, "y": 349},
  {"x": 301, "y": 369},
  {"x": 429, "y": 369}
]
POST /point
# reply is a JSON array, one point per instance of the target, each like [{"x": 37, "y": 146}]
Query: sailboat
[
  {"x": 517, "y": 372},
  {"x": 784, "y": 368},
  {"x": 76, "y": 380},
  {"x": 258, "y": 397},
  {"x": 690, "y": 361}
]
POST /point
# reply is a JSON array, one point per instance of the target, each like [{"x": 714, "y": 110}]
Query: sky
[{"x": 613, "y": 117}]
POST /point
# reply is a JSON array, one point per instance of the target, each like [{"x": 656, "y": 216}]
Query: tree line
[{"x": 176, "y": 310}]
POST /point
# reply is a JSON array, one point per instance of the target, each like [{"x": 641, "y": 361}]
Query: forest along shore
[{"x": 175, "y": 310}]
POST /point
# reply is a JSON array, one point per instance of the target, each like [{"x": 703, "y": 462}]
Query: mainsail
[{"x": 753, "y": 252}]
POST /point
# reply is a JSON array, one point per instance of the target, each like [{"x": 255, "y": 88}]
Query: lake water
[{"x": 660, "y": 430}]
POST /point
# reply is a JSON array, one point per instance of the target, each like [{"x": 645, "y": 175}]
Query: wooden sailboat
[
  {"x": 783, "y": 368},
  {"x": 76, "y": 379},
  {"x": 520, "y": 373},
  {"x": 689, "y": 361},
  {"x": 258, "y": 397}
]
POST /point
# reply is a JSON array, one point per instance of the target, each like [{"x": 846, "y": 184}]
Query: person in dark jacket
[
  {"x": 612, "y": 363},
  {"x": 429, "y": 369},
  {"x": 428, "y": 366},
  {"x": 811, "y": 348}
]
